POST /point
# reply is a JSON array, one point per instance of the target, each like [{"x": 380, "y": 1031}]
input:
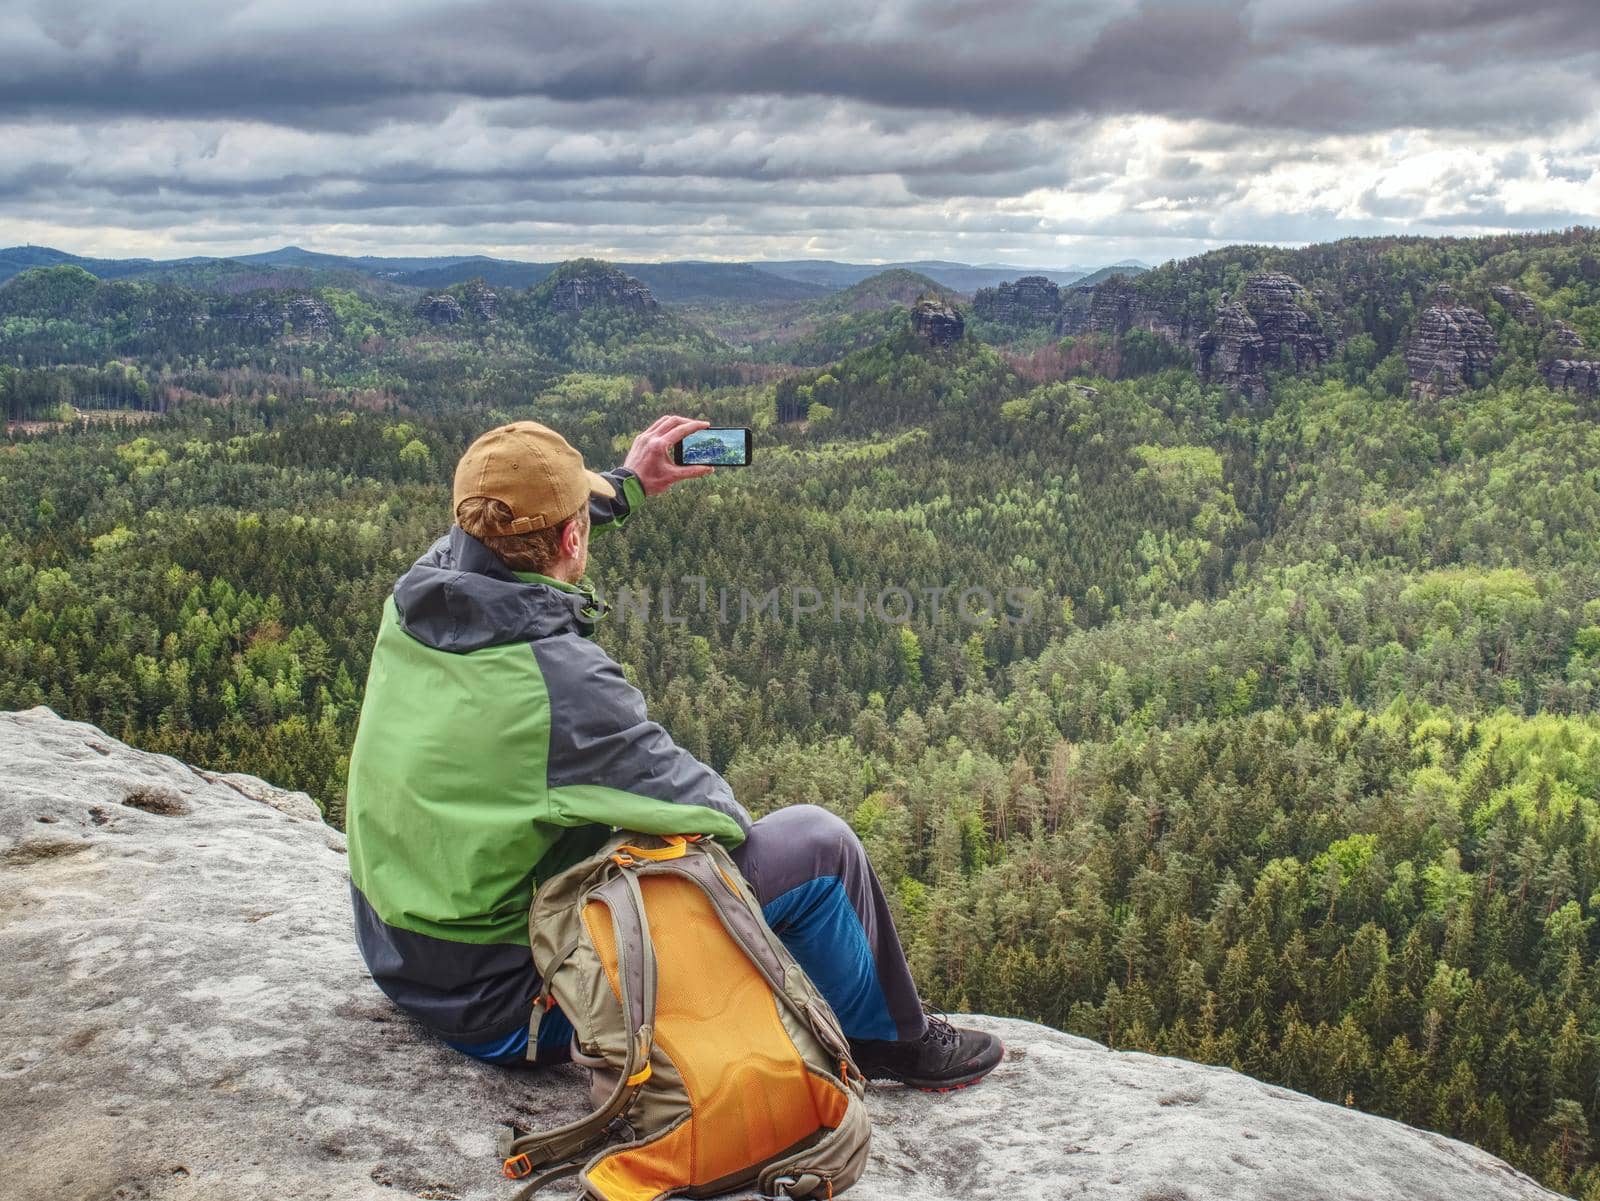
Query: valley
[{"x": 1292, "y": 766}]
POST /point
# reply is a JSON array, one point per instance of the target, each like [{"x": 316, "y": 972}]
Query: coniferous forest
[{"x": 1277, "y": 747}]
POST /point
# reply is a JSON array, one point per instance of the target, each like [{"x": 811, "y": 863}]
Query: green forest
[{"x": 1290, "y": 761}]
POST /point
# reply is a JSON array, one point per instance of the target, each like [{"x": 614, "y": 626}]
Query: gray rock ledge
[{"x": 185, "y": 1016}]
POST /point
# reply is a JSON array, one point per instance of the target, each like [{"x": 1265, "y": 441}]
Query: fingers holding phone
[
  {"x": 660, "y": 458},
  {"x": 650, "y": 456}
]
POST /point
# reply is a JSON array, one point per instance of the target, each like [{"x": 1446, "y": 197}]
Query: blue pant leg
[
  {"x": 823, "y": 900},
  {"x": 555, "y": 1034}
]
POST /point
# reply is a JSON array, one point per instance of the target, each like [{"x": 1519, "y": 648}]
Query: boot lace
[{"x": 939, "y": 1028}]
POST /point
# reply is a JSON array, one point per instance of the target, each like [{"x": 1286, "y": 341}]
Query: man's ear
[{"x": 571, "y": 538}]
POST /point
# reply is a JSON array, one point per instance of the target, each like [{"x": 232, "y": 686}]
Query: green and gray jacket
[{"x": 497, "y": 744}]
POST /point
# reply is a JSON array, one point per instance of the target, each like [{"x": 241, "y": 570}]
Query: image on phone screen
[{"x": 717, "y": 447}]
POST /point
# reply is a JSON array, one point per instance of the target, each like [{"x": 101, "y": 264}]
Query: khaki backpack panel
[
  {"x": 710, "y": 1049},
  {"x": 752, "y": 1096}
]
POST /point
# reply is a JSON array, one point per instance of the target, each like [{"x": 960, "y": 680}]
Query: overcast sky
[{"x": 1065, "y": 133}]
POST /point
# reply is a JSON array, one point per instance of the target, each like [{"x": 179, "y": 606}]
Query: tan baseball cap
[{"x": 531, "y": 470}]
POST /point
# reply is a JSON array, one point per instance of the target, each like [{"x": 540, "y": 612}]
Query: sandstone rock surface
[
  {"x": 1576, "y": 375},
  {"x": 1031, "y": 300},
  {"x": 441, "y": 308},
  {"x": 1284, "y": 313},
  {"x": 1451, "y": 347},
  {"x": 273, "y": 316},
  {"x": 480, "y": 299},
  {"x": 937, "y": 320},
  {"x": 1519, "y": 304},
  {"x": 1233, "y": 352},
  {"x": 599, "y": 285},
  {"x": 186, "y": 1018},
  {"x": 1274, "y": 324}
]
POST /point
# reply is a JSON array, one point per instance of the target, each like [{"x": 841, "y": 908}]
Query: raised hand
[{"x": 650, "y": 456}]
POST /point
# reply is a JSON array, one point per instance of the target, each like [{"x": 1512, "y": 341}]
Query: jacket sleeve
[
  {"x": 612, "y": 514},
  {"x": 609, "y": 763}
]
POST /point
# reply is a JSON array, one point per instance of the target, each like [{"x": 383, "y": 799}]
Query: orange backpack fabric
[{"x": 716, "y": 1062}]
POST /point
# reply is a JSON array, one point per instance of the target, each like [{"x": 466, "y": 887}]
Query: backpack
[{"x": 713, "y": 1058}]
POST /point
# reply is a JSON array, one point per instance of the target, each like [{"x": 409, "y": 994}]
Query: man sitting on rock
[{"x": 498, "y": 744}]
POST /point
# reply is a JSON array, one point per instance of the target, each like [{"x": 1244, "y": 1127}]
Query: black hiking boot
[{"x": 945, "y": 1058}]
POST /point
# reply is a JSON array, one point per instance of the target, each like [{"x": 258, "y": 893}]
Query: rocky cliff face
[
  {"x": 1030, "y": 301},
  {"x": 599, "y": 285},
  {"x": 275, "y": 316},
  {"x": 1291, "y": 334},
  {"x": 1110, "y": 309},
  {"x": 1275, "y": 324},
  {"x": 1116, "y": 306},
  {"x": 440, "y": 309},
  {"x": 1451, "y": 347},
  {"x": 480, "y": 300},
  {"x": 1562, "y": 363},
  {"x": 1576, "y": 375},
  {"x": 937, "y": 320},
  {"x": 476, "y": 300},
  {"x": 1233, "y": 352},
  {"x": 1519, "y": 304},
  {"x": 187, "y": 1020}
]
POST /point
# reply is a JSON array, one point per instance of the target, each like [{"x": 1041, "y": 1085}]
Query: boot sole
[{"x": 931, "y": 1086}]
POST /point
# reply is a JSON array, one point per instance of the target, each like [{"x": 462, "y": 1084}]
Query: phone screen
[{"x": 727, "y": 447}]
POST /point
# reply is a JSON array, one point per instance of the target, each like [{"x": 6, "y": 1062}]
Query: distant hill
[
  {"x": 958, "y": 277},
  {"x": 825, "y": 327},
  {"x": 500, "y": 273},
  {"x": 1125, "y": 270},
  {"x": 295, "y": 256},
  {"x": 898, "y": 285},
  {"x": 16, "y": 259},
  {"x": 682, "y": 282}
]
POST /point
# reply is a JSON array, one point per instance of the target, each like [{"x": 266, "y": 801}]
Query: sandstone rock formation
[
  {"x": 1564, "y": 336},
  {"x": 591, "y": 285},
  {"x": 1451, "y": 347},
  {"x": 480, "y": 299},
  {"x": 1577, "y": 375},
  {"x": 1275, "y": 326},
  {"x": 1233, "y": 352},
  {"x": 1560, "y": 365},
  {"x": 1111, "y": 308},
  {"x": 1519, "y": 304},
  {"x": 273, "y": 316},
  {"x": 1031, "y": 300},
  {"x": 1285, "y": 314},
  {"x": 1276, "y": 323},
  {"x": 937, "y": 320},
  {"x": 441, "y": 308},
  {"x": 308, "y": 315},
  {"x": 187, "y": 1020}
]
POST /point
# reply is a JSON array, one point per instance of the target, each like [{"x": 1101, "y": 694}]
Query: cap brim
[{"x": 599, "y": 485}]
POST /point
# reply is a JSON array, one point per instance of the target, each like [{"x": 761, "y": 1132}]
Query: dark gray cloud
[
  {"x": 1362, "y": 65},
  {"x": 1029, "y": 130}
]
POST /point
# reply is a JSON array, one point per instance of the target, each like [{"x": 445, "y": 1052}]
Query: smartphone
[{"x": 728, "y": 446}]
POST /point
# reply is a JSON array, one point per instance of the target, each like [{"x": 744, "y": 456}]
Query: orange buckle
[{"x": 517, "y": 1167}]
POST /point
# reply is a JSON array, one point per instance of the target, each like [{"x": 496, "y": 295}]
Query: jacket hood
[{"x": 460, "y": 597}]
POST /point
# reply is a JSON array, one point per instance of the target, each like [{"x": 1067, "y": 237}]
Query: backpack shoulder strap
[{"x": 565, "y": 1146}]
